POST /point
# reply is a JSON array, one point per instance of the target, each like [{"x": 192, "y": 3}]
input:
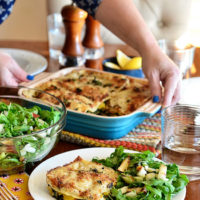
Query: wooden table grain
[{"x": 193, "y": 188}]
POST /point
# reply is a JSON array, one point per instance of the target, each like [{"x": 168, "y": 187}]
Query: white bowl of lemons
[{"x": 123, "y": 64}]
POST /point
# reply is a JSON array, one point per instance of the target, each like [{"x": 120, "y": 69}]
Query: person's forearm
[{"x": 124, "y": 20}]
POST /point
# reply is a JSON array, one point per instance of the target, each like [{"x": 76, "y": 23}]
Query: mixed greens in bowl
[{"x": 29, "y": 128}]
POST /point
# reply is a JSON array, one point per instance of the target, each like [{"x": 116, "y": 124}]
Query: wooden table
[{"x": 193, "y": 188}]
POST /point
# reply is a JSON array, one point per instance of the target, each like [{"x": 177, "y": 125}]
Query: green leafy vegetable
[
  {"x": 145, "y": 177},
  {"x": 16, "y": 120},
  {"x": 8, "y": 160}
]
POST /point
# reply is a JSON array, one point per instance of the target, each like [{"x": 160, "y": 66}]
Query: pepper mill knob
[
  {"x": 73, "y": 51},
  {"x": 93, "y": 44}
]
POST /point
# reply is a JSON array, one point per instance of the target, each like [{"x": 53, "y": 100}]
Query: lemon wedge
[
  {"x": 111, "y": 65},
  {"x": 134, "y": 63},
  {"x": 122, "y": 58}
]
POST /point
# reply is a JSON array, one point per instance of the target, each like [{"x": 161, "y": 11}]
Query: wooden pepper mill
[
  {"x": 93, "y": 44},
  {"x": 73, "y": 51}
]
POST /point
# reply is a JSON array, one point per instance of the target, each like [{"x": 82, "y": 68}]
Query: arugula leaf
[
  {"x": 180, "y": 183},
  {"x": 115, "y": 158},
  {"x": 118, "y": 194}
]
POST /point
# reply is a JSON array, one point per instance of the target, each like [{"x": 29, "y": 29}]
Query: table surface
[{"x": 193, "y": 188}]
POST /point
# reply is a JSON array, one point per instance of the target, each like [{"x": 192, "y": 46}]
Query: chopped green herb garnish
[{"x": 96, "y": 82}]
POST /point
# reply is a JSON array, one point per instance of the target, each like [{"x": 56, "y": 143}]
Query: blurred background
[
  {"x": 26, "y": 22},
  {"x": 164, "y": 17}
]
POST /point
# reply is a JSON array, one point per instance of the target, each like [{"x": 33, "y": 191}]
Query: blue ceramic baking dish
[
  {"x": 102, "y": 127},
  {"x": 105, "y": 127}
]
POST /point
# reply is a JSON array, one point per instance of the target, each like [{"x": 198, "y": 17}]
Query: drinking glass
[
  {"x": 56, "y": 34},
  {"x": 182, "y": 56},
  {"x": 181, "y": 137}
]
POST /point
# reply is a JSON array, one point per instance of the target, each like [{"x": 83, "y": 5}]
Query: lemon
[
  {"x": 122, "y": 58},
  {"x": 111, "y": 65},
  {"x": 134, "y": 63}
]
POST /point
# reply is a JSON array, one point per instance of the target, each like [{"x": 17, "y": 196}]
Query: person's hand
[
  {"x": 156, "y": 65},
  {"x": 11, "y": 74},
  {"x": 162, "y": 72}
]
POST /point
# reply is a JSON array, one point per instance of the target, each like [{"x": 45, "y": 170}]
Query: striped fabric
[{"x": 146, "y": 136}]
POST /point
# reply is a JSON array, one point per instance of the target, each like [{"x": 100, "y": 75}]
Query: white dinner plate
[
  {"x": 33, "y": 63},
  {"x": 37, "y": 180},
  {"x": 190, "y": 91}
]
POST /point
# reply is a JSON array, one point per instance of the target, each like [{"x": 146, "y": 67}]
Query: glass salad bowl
[{"x": 29, "y": 127}]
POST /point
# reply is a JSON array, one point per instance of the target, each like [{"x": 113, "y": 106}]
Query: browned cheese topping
[
  {"x": 97, "y": 92},
  {"x": 82, "y": 179}
]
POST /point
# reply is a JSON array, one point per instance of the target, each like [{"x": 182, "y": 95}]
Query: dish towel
[
  {"x": 17, "y": 185},
  {"x": 146, "y": 136}
]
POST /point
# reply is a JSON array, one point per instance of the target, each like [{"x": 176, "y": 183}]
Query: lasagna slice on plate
[{"x": 81, "y": 179}]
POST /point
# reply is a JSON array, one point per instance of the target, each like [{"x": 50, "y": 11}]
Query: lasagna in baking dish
[
  {"x": 81, "y": 179},
  {"x": 97, "y": 92}
]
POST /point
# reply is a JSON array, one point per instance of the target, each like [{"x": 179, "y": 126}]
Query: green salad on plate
[{"x": 143, "y": 177}]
